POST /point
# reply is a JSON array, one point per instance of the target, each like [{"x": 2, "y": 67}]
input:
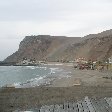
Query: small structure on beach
[
  {"x": 104, "y": 65},
  {"x": 29, "y": 62},
  {"x": 110, "y": 63},
  {"x": 82, "y": 63}
]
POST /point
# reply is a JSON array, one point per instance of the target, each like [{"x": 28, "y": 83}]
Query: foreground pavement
[
  {"x": 85, "y": 105},
  {"x": 18, "y": 100}
]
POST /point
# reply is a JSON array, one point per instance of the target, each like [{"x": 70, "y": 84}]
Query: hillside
[
  {"x": 99, "y": 35},
  {"x": 42, "y": 47},
  {"x": 96, "y": 48},
  {"x": 54, "y": 48}
]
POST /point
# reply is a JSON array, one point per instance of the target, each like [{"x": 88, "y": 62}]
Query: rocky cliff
[
  {"x": 42, "y": 47},
  {"x": 54, "y": 48}
]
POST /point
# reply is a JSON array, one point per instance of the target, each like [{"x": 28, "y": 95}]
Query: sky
[{"x": 75, "y": 18}]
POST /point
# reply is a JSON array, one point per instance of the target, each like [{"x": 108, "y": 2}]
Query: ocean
[{"x": 30, "y": 76}]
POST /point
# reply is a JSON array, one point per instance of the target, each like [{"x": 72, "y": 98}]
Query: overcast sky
[{"x": 19, "y": 18}]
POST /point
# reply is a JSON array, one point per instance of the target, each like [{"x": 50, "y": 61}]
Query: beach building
[
  {"x": 110, "y": 63},
  {"x": 110, "y": 60},
  {"x": 80, "y": 60}
]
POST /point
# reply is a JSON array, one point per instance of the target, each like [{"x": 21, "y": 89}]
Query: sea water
[{"x": 29, "y": 76}]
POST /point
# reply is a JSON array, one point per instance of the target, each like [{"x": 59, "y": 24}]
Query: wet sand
[{"x": 81, "y": 83}]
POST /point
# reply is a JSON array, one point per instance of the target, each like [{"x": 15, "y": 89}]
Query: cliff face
[
  {"x": 53, "y": 48},
  {"x": 42, "y": 47}
]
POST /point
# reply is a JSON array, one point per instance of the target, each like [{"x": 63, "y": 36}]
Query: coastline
[{"x": 38, "y": 75}]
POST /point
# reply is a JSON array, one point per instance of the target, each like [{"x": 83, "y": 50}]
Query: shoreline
[
  {"x": 73, "y": 77},
  {"x": 57, "y": 70}
]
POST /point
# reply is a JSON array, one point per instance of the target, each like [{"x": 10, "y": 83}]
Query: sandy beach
[
  {"x": 83, "y": 78},
  {"x": 79, "y": 84}
]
